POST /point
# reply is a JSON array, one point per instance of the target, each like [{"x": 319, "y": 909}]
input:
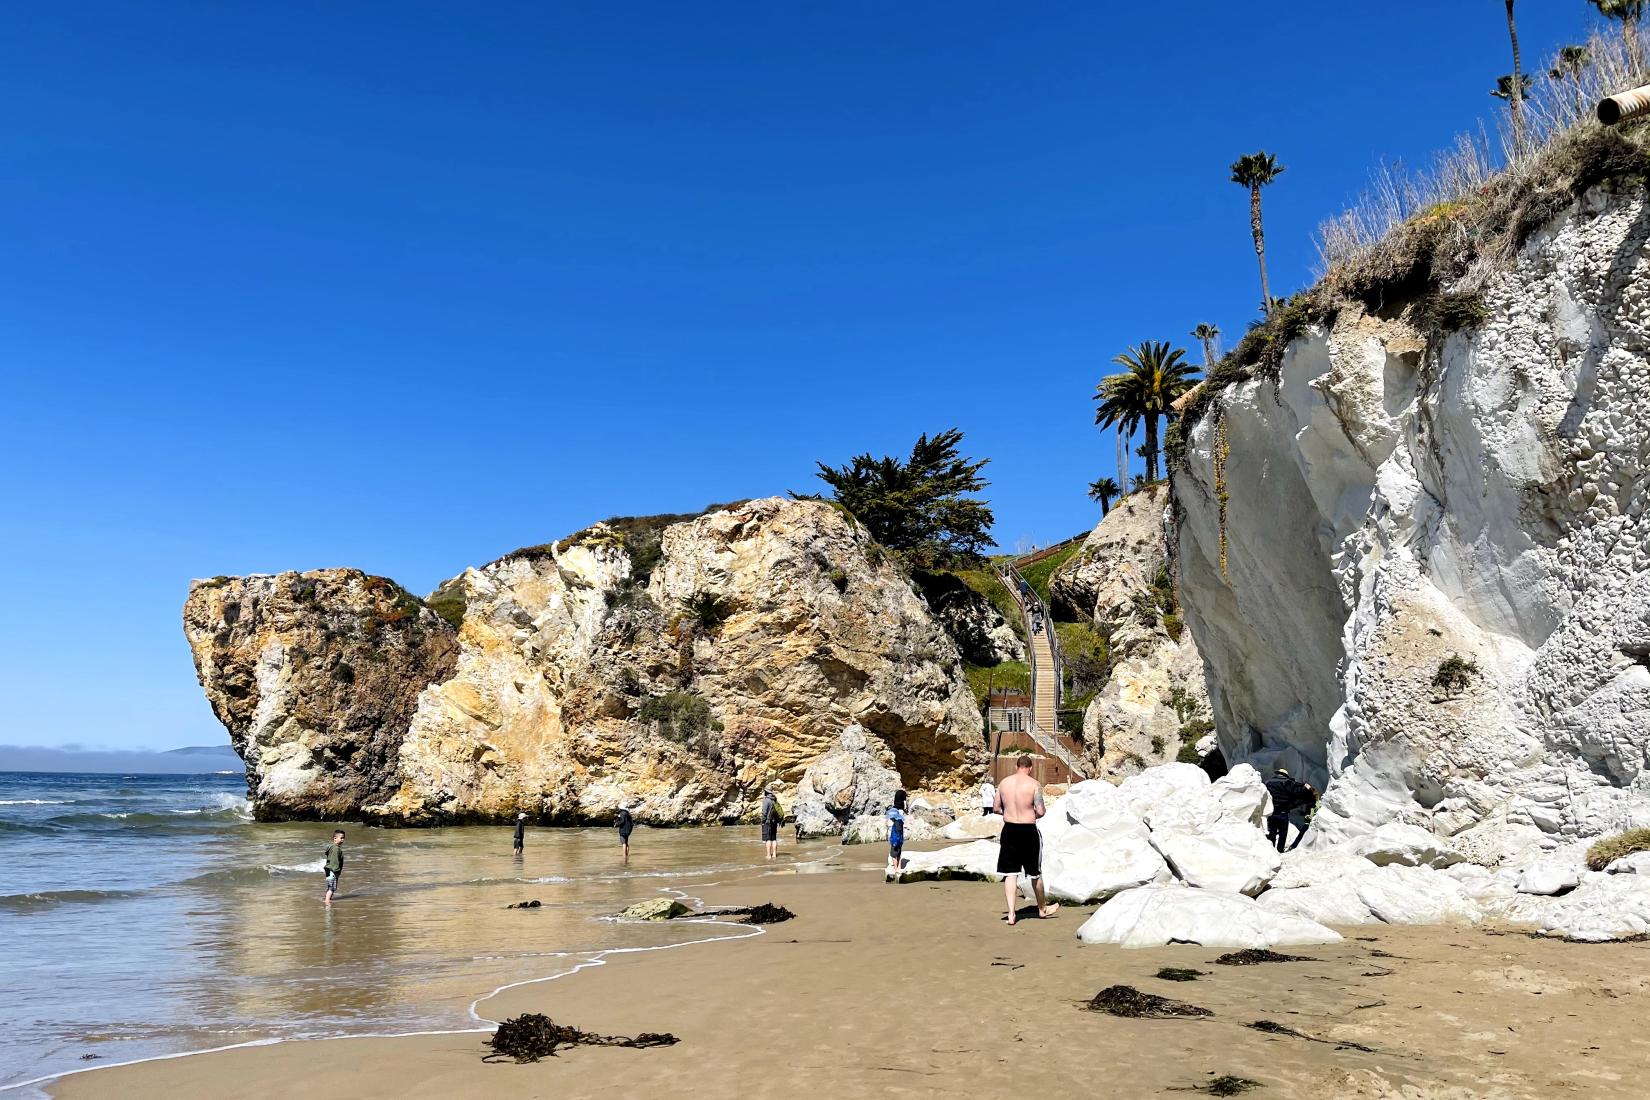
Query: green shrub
[
  {"x": 1087, "y": 656},
  {"x": 1009, "y": 674},
  {"x": 1158, "y": 744},
  {"x": 1454, "y": 674},
  {"x": 679, "y": 716},
  {"x": 1188, "y": 753},
  {"x": 449, "y": 602},
  {"x": 1040, "y": 572},
  {"x": 839, "y": 577},
  {"x": 1070, "y": 722},
  {"x": 707, "y": 610},
  {"x": 1610, "y": 849},
  {"x": 1173, "y": 625}
]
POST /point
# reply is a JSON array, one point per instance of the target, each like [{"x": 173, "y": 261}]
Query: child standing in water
[{"x": 896, "y": 832}]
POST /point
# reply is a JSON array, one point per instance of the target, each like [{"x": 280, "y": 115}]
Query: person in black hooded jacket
[{"x": 1288, "y": 795}]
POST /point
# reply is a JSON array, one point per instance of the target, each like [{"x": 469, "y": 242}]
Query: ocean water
[{"x": 149, "y": 915}]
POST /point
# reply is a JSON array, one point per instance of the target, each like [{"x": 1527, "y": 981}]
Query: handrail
[{"x": 1052, "y": 746}]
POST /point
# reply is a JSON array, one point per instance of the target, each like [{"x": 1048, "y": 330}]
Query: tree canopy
[{"x": 920, "y": 508}]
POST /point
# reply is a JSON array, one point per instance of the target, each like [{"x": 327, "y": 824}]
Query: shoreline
[{"x": 876, "y": 989}]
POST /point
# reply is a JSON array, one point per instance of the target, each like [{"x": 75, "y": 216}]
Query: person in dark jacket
[
  {"x": 1288, "y": 795},
  {"x": 521, "y": 833}
]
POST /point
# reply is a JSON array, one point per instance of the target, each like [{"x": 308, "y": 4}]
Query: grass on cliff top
[
  {"x": 1612, "y": 848},
  {"x": 1039, "y": 573},
  {"x": 640, "y": 536},
  {"x": 984, "y": 581},
  {"x": 1426, "y": 245}
]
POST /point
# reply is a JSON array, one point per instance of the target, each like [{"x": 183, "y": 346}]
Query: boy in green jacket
[{"x": 335, "y": 863}]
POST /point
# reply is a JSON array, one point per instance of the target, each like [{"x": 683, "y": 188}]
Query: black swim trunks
[
  {"x": 770, "y": 830},
  {"x": 1020, "y": 850}
]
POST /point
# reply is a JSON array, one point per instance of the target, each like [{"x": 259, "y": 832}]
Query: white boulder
[
  {"x": 1091, "y": 864},
  {"x": 1242, "y": 796},
  {"x": 974, "y": 827},
  {"x": 1604, "y": 907},
  {"x": 875, "y": 829},
  {"x": 1553, "y": 874},
  {"x": 1636, "y": 864},
  {"x": 1414, "y": 895},
  {"x": 976, "y": 860},
  {"x": 1230, "y": 857},
  {"x": 1335, "y": 903},
  {"x": 1317, "y": 867},
  {"x": 1161, "y": 785},
  {"x": 1396, "y": 842},
  {"x": 1152, "y": 916}
]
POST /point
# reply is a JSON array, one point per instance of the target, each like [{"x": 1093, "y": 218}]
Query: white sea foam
[
  {"x": 311, "y": 867},
  {"x": 33, "y": 802}
]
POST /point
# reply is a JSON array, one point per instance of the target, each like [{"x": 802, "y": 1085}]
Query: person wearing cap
[
  {"x": 1288, "y": 795},
  {"x": 771, "y": 816},
  {"x": 521, "y": 832}
]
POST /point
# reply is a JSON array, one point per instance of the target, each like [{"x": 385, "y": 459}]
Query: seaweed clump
[
  {"x": 1272, "y": 1027},
  {"x": 766, "y": 913},
  {"x": 1125, "y": 1000},
  {"x": 1228, "y": 1085},
  {"x": 531, "y": 1036},
  {"x": 1179, "y": 974},
  {"x": 1254, "y": 955}
]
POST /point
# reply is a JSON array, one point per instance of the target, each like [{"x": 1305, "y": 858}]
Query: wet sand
[{"x": 883, "y": 990}]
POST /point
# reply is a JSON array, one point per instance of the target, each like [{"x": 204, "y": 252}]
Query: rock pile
[{"x": 1176, "y": 858}]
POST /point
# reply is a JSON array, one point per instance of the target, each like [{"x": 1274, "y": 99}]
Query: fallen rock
[
  {"x": 976, "y": 860},
  {"x": 1336, "y": 903},
  {"x": 1396, "y": 842},
  {"x": 1227, "y": 857},
  {"x": 1317, "y": 867},
  {"x": 1163, "y": 784},
  {"x": 1554, "y": 874},
  {"x": 875, "y": 829},
  {"x": 1603, "y": 907},
  {"x": 657, "y": 909},
  {"x": 1636, "y": 864},
  {"x": 1152, "y": 916},
  {"x": 1414, "y": 895},
  {"x": 974, "y": 827},
  {"x": 1087, "y": 864}
]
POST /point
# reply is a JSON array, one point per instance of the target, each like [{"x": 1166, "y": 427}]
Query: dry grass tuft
[{"x": 1612, "y": 848}]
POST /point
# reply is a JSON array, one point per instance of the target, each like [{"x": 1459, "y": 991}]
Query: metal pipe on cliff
[{"x": 1624, "y": 105}]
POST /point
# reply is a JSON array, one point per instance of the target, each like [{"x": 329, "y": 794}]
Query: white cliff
[{"x": 1405, "y": 495}]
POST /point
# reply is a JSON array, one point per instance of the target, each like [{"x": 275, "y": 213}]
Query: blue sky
[{"x": 402, "y": 286}]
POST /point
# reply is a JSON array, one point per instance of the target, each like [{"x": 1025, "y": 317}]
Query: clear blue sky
[{"x": 403, "y": 286}]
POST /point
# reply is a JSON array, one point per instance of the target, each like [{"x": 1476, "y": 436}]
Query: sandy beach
[{"x": 879, "y": 990}]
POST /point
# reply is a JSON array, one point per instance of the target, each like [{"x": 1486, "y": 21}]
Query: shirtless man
[{"x": 1020, "y": 801}]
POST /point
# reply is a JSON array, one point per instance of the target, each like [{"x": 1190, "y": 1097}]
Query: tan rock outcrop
[
  {"x": 574, "y": 681},
  {"x": 1154, "y": 687}
]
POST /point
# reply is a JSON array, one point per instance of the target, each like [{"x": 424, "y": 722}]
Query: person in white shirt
[{"x": 988, "y": 797}]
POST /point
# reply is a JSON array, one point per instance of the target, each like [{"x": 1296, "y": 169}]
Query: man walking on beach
[
  {"x": 521, "y": 833},
  {"x": 334, "y": 863},
  {"x": 771, "y": 816},
  {"x": 1020, "y": 847}
]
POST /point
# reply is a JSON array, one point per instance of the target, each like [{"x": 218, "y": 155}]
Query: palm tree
[
  {"x": 1519, "y": 81},
  {"x": 1628, "y": 12},
  {"x": 1207, "y": 334},
  {"x": 1504, "y": 90},
  {"x": 1103, "y": 491},
  {"x": 1153, "y": 376},
  {"x": 1568, "y": 64},
  {"x": 1254, "y": 171}
]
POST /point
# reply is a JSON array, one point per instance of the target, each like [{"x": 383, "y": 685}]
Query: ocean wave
[
  {"x": 262, "y": 872},
  {"x": 35, "y": 802},
  {"x": 25, "y": 903}
]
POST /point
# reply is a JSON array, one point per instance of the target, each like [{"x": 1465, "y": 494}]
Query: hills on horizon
[{"x": 189, "y": 760}]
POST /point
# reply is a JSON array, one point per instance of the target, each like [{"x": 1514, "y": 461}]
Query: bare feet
[{"x": 1049, "y": 911}]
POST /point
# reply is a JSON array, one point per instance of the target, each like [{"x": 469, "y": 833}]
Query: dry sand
[{"x": 918, "y": 990}]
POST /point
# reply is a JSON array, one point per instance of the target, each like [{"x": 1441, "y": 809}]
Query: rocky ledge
[{"x": 679, "y": 666}]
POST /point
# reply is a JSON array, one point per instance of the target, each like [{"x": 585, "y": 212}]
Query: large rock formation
[
  {"x": 679, "y": 669},
  {"x": 1430, "y": 587},
  {"x": 1153, "y": 698}
]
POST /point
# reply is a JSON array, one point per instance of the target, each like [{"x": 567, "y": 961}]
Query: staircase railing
[{"x": 1031, "y": 603}]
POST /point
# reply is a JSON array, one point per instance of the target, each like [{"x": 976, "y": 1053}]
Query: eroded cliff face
[
  {"x": 1404, "y": 496},
  {"x": 1153, "y": 697},
  {"x": 573, "y": 682}
]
